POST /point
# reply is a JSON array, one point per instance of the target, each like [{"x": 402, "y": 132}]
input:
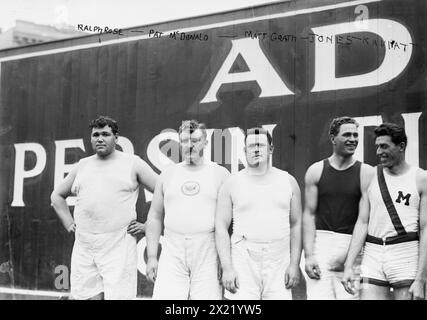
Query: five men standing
[{"x": 196, "y": 201}]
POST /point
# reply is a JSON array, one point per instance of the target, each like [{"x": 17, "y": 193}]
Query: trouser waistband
[{"x": 410, "y": 236}]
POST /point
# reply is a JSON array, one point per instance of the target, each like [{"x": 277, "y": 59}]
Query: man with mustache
[
  {"x": 333, "y": 189},
  {"x": 184, "y": 205},
  {"x": 391, "y": 225},
  {"x": 261, "y": 260},
  {"x": 106, "y": 184}
]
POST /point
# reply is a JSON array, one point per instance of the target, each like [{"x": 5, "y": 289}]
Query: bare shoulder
[
  {"x": 367, "y": 169},
  {"x": 421, "y": 182},
  {"x": 221, "y": 172},
  {"x": 83, "y": 162},
  {"x": 294, "y": 183},
  {"x": 367, "y": 172},
  {"x": 168, "y": 171},
  {"x": 140, "y": 163},
  {"x": 314, "y": 172}
]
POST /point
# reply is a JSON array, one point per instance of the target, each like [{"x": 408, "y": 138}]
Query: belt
[{"x": 410, "y": 236}]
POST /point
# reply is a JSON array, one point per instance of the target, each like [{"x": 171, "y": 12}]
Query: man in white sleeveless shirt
[
  {"x": 106, "y": 185},
  {"x": 184, "y": 204},
  {"x": 261, "y": 260},
  {"x": 395, "y": 243}
]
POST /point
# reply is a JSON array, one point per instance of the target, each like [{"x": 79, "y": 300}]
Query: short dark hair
[
  {"x": 259, "y": 130},
  {"x": 396, "y": 133},
  {"x": 103, "y": 121},
  {"x": 192, "y": 125},
  {"x": 336, "y": 124}
]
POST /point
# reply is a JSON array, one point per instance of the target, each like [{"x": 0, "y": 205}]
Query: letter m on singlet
[{"x": 401, "y": 197}]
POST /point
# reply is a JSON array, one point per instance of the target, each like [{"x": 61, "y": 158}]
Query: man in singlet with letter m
[{"x": 391, "y": 225}]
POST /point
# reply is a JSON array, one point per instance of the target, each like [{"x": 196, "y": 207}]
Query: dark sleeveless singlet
[{"x": 338, "y": 198}]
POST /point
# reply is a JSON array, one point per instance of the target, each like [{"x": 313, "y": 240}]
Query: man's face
[
  {"x": 346, "y": 140},
  {"x": 257, "y": 150},
  {"x": 192, "y": 145},
  {"x": 103, "y": 141},
  {"x": 390, "y": 154}
]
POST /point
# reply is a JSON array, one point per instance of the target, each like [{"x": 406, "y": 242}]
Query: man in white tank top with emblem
[
  {"x": 261, "y": 260},
  {"x": 184, "y": 204},
  {"x": 106, "y": 185},
  {"x": 393, "y": 231}
]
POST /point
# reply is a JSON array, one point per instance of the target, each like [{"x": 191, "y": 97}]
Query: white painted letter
[
  {"x": 365, "y": 122},
  {"x": 412, "y": 153},
  {"x": 21, "y": 174},
  {"x": 60, "y": 167},
  {"x": 260, "y": 70},
  {"x": 126, "y": 144}
]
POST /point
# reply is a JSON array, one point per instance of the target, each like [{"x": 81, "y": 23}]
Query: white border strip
[
  {"x": 45, "y": 293},
  {"x": 204, "y": 27},
  {"x": 34, "y": 292}
]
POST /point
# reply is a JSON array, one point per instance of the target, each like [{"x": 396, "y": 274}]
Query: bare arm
[
  {"x": 418, "y": 287},
  {"x": 308, "y": 219},
  {"x": 154, "y": 227},
  {"x": 145, "y": 175},
  {"x": 360, "y": 229},
  {"x": 296, "y": 223},
  {"x": 292, "y": 274},
  {"x": 59, "y": 203},
  {"x": 223, "y": 217},
  {"x": 148, "y": 178}
]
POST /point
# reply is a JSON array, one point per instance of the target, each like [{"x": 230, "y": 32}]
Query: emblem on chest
[{"x": 190, "y": 188}]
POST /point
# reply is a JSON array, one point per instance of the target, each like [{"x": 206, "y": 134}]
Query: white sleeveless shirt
[
  {"x": 261, "y": 210},
  {"x": 106, "y": 193},
  {"x": 404, "y": 194},
  {"x": 190, "y": 198}
]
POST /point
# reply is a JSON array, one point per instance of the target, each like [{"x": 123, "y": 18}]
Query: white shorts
[
  {"x": 330, "y": 250},
  {"x": 104, "y": 263},
  {"x": 188, "y": 268},
  {"x": 392, "y": 265},
  {"x": 260, "y": 268}
]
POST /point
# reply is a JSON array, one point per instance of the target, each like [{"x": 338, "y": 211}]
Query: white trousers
[
  {"x": 330, "y": 250},
  {"x": 188, "y": 268},
  {"x": 260, "y": 268},
  {"x": 104, "y": 263}
]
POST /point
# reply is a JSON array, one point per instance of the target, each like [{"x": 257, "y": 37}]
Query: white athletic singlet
[
  {"x": 190, "y": 198},
  {"x": 261, "y": 211},
  {"x": 403, "y": 191},
  {"x": 106, "y": 193}
]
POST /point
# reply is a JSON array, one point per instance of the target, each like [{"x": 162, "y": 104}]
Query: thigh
[
  {"x": 247, "y": 268},
  {"x": 86, "y": 281},
  {"x": 402, "y": 293},
  {"x": 321, "y": 289},
  {"x": 374, "y": 292},
  {"x": 273, "y": 275},
  {"x": 402, "y": 263},
  {"x": 173, "y": 278},
  {"x": 118, "y": 267},
  {"x": 204, "y": 280}
]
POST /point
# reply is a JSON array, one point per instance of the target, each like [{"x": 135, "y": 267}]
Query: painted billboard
[{"x": 289, "y": 66}]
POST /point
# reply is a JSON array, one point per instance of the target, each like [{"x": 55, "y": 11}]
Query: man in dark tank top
[{"x": 332, "y": 195}]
